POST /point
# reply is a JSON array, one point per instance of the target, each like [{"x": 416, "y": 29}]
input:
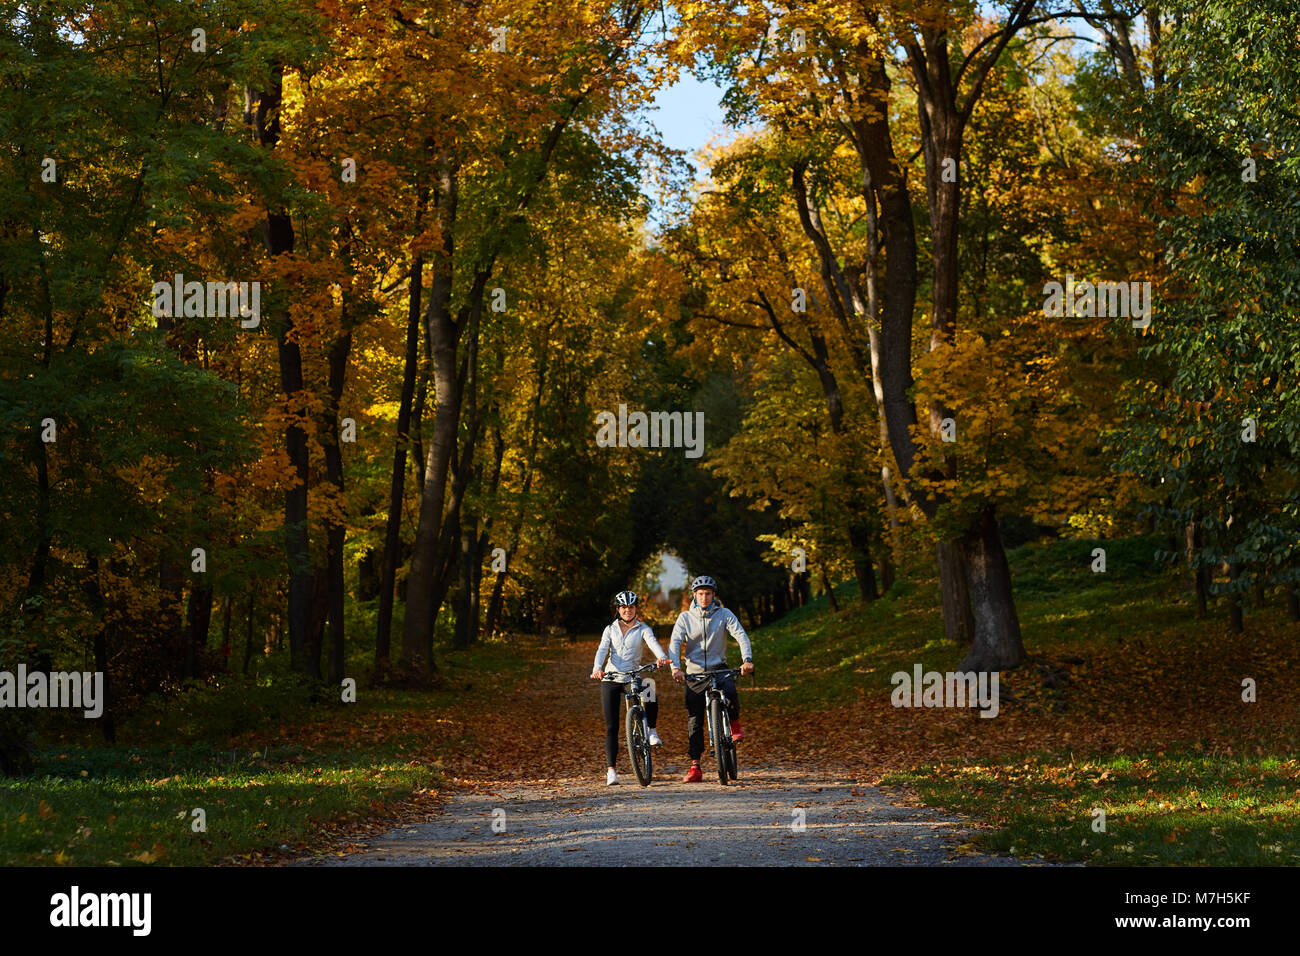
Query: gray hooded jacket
[{"x": 704, "y": 632}]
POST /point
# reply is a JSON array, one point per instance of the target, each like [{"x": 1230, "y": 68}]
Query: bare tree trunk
[
  {"x": 106, "y": 723},
  {"x": 248, "y": 634},
  {"x": 225, "y": 633},
  {"x": 1200, "y": 575},
  {"x": 335, "y": 531},
  {"x": 1235, "y": 605},
  {"x": 417, "y": 425},
  {"x": 803, "y": 587},
  {"x": 198, "y": 620},
  {"x": 397, "y": 489},
  {"x": 170, "y": 607},
  {"x": 997, "y": 645},
  {"x": 466, "y": 606},
  {"x": 958, "y": 619},
  {"x": 416, "y": 661},
  {"x": 994, "y": 624},
  {"x": 830, "y": 593},
  {"x": 279, "y": 239}
]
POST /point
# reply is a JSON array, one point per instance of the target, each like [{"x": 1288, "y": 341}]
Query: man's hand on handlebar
[
  {"x": 596, "y": 674},
  {"x": 747, "y": 667},
  {"x": 664, "y": 662},
  {"x": 679, "y": 676}
]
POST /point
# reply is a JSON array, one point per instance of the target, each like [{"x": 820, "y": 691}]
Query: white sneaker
[
  {"x": 611, "y": 778},
  {"x": 654, "y": 738}
]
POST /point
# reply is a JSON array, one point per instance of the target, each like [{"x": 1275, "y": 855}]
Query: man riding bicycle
[{"x": 703, "y": 629}]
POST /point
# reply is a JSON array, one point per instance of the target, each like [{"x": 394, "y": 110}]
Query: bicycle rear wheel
[
  {"x": 719, "y": 746},
  {"x": 638, "y": 745}
]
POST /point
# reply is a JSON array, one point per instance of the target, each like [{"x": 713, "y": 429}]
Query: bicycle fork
[{"x": 709, "y": 698}]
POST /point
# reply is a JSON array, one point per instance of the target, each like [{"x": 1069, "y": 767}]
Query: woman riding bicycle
[
  {"x": 622, "y": 644},
  {"x": 703, "y": 628}
]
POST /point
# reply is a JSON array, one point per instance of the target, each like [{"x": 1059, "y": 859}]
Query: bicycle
[
  {"x": 715, "y": 709},
  {"x": 637, "y": 727}
]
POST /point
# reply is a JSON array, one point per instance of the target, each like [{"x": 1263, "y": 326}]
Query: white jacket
[{"x": 624, "y": 650}]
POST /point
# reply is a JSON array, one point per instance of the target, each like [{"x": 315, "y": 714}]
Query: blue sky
[{"x": 688, "y": 113}]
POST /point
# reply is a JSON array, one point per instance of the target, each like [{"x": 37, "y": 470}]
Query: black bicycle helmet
[
  {"x": 703, "y": 581},
  {"x": 625, "y": 598}
]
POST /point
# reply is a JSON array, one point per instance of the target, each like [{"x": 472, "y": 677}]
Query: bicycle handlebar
[{"x": 640, "y": 670}]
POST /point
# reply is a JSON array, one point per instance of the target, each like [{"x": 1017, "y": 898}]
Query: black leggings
[{"x": 611, "y": 705}]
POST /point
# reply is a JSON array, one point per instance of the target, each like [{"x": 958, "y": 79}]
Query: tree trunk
[
  {"x": 860, "y": 543},
  {"x": 997, "y": 645},
  {"x": 1200, "y": 575},
  {"x": 278, "y": 235},
  {"x": 958, "y": 618},
  {"x": 319, "y": 604},
  {"x": 830, "y": 593},
  {"x": 44, "y": 535},
  {"x": 1235, "y": 607},
  {"x": 397, "y": 488},
  {"x": 466, "y": 605},
  {"x": 248, "y": 635},
  {"x": 198, "y": 620},
  {"x": 106, "y": 724},
  {"x": 225, "y": 633},
  {"x": 496, "y": 604},
  {"x": 416, "y": 661},
  {"x": 369, "y": 576},
  {"x": 886, "y": 564},
  {"x": 1293, "y": 602},
  {"x": 994, "y": 626},
  {"x": 335, "y": 531},
  {"x": 171, "y": 603},
  {"x": 101, "y": 640}
]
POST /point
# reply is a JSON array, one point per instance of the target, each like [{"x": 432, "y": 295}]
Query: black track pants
[{"x": 695, "y": 721}]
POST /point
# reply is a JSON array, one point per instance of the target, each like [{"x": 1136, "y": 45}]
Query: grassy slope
[{"x": 1145, "y": 720}]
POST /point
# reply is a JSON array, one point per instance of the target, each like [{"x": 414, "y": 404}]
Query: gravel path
[
  {"x": 756, "y": 821},
  {"x": 783, "y": 810}
]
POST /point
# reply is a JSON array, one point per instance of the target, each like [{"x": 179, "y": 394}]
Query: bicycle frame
[
  {"x": 632, "y": 691},
  {"x": 714, "y": 692}
]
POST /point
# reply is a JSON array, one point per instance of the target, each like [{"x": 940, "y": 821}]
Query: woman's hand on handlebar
[
  {"x": 678, "y": 676},
  {"x": 664, "y": 662},
  {"x": 596, "y": 674}
]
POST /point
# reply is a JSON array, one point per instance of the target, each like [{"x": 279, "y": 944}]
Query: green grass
[
  {"x": 1159, "y": 809},
  {"x": 124, "y": 806},
  {"x": 308, "y": 769}
]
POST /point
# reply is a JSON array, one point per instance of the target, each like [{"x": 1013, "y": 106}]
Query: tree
[{"x": 1215, "y": 426}]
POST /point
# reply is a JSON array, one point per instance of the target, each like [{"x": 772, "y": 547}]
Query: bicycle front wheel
[
  {"x": 719, "y": 745},
  {"x": 638, "y": 745}
]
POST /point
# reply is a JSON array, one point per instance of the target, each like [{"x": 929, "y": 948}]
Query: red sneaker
[
  {"x": 736, "y": 732},
  {"x": 695, "y": 775}
]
